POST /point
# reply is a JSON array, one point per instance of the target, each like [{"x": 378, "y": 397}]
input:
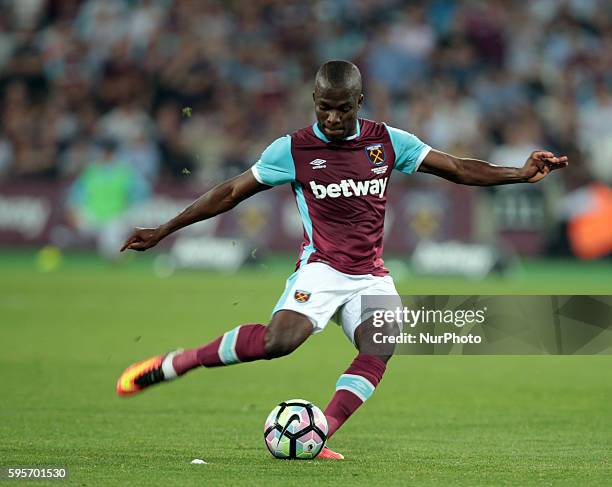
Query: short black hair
[
  {"x": 339, "y": 74},
  {"x": 107, "y": 144}
]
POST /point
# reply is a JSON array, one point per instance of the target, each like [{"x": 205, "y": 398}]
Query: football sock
[
  {"x": 244, "y": 343},
  {"x": 167, "y": 368},
  {"x": 353, "y": 388}
]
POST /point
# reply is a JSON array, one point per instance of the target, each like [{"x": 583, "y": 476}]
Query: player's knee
[
  {"x": 277, "y": 346},
  {"x": 286, "y": 332},
  {"x": 377, "y": 340}
]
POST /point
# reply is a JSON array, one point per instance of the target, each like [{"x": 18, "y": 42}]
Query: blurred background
[{"x": 117, "y": 113}]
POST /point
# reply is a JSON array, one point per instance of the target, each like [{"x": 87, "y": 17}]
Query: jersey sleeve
[
  {"x": 409, "y": 150},
  {"x": 276, "y": 165}
]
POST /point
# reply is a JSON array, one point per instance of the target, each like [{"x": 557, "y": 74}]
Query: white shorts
[{"x": 321, "y": 293}]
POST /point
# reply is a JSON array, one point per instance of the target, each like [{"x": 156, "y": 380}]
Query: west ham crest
[
  {"x": 376, "y": 154},
  {"x": 301, "y": 296}
]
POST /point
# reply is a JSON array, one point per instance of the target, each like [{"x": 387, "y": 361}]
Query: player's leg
[
  {"x": 359, "y": 381},
  {"x": 299, "y": 312},
  {"x": 245, "y": 343}
]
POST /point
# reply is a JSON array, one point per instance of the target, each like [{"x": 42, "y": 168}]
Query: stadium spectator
[
  {"x": 101, "y": 196},
  {"x": 73, "y": 70}
]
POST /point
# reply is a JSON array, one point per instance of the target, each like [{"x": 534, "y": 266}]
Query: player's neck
[{"x": 355, "y": 132}]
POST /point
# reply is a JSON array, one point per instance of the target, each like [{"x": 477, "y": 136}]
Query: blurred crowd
[{"x": 200, "y": 87}]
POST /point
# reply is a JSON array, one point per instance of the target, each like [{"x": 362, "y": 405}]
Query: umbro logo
[{"x": 318, "y": 164}]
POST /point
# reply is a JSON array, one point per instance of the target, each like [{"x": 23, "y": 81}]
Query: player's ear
[{"x": 359, "y": 101}]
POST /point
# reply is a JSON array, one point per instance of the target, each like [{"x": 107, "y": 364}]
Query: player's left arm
[{"x": 474, "y": 172}]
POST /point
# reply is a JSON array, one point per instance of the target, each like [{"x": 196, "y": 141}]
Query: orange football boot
[
  {"x": 140, "y": 375},
  {"x": 330, "y": 454}
]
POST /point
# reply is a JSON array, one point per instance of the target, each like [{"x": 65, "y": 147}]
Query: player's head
[{"x": 337, "y": 97}]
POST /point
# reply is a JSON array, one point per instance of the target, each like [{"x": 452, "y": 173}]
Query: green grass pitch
[{"x": 457, "y": 420}]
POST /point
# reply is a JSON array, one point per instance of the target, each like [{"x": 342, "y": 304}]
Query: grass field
[{"x": 456, "y": 420}]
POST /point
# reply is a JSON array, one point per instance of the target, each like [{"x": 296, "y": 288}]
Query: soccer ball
[{"x": 295, "y": 429}]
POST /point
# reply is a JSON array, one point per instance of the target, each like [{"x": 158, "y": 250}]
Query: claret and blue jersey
[{"x": 341, "y": 189}]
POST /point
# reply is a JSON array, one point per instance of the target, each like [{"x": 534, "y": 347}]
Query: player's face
[{"x": 337, "y": 112}]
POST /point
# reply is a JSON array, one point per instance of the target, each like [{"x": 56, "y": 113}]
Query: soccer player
[{"x": 339, "y": 169}]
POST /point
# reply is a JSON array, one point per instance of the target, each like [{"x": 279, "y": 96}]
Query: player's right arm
[
  {"x": 219, "y": 199},
  {"x": 273, "y": 168}
]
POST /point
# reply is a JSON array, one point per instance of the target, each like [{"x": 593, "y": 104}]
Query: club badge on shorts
[
  {"x": 376, "y": 154},
  {"x": 301, "y": 296}
]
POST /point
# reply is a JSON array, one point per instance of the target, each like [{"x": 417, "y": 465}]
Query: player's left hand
[{"x": 540, "y": 164}]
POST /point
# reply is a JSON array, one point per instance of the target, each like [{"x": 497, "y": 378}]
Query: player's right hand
[{"x": 142, "y": 239}]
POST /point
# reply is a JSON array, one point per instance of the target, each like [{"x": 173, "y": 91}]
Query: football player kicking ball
[{"x": 339, "y": 170}]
